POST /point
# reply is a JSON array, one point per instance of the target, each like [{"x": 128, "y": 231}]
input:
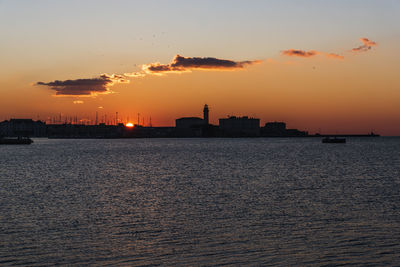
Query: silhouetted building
[
  {"x": 278, "y": 129},
  {"x": 23, "y": 127},
  {"x": 194, "y": 126},
  {"x": 188, "y": 122},
  {"x": 189, "y": 127},
  {"x": 239, "y": 126},
  {"x": 274, "y": 128},
  {"x": 148, "y": 132},
  {"x": 85, "y": 131},
  {"x": 205, "y": 114}
]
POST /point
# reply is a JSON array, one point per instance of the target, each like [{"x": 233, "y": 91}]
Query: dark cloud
[
  {"x": 367, "y": 45},
  {"x": 182, "y": 64},
  {"x": 157, "y": 67},
  {"x": 85, "y": 87},
  {"x": 311, "y": 53},
  {"x": 299, "y": 53}
]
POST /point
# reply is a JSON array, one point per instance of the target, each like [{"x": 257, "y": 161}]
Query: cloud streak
[
  {"x": 333, "y": 55},
  {"x": 299, "y": 53},
  {"x": 85, "y": 87},
  {"x": 135, "y": 74},
  {"x": 367, "y": 45},
  {"x": 185, "y": 64},
  {"x": 310, "y": 53}
]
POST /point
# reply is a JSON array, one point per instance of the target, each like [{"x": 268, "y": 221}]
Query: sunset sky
[{"x": 320, "y": 66}]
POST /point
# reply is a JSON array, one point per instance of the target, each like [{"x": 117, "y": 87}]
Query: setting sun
[{"x": 129, "y": 124}]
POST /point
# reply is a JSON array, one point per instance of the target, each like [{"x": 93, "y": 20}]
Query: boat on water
[
  {"x": 334, "y": 140},
  {"x": 15, "y": 141}
]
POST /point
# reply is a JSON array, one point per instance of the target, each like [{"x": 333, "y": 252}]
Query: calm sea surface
[{"x": 190, "y": 202}]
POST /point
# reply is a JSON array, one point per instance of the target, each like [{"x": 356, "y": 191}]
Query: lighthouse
[{"x": 205, "y": 114}]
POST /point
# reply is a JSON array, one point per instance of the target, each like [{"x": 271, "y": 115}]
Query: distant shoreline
[{"x": 218, "y": 137}]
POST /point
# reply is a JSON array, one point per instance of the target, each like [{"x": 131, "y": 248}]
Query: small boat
[
  {"x": 334, "y": 140},
  {"x": 15, "y": 141}
]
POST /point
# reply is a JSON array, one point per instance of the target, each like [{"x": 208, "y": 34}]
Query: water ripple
[{"x": 185, "y": 202}]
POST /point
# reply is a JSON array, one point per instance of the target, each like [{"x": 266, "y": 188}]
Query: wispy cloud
[
  {"x": 77, "y": 102},
  {"x": 310, "y": 53},
  {"x": 185, "y": 64},
  {"x": 333, "y": 55},
  {"x": 299, "y": 53},
  {"x": 135, "y": 74},
  {"x": 85, "y": 87},
  {"x": 367, "y": 45}
]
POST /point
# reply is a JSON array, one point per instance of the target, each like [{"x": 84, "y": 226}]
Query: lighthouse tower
[{"x": 205, "y": 114}]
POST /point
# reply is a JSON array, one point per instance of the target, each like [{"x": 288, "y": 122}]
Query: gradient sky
[{"x": 44, "y": 41}]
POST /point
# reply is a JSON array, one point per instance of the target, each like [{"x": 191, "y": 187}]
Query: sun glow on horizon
[{"x": 129, "y": 124}]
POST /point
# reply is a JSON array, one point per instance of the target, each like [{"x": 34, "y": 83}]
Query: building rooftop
[{"x": 189, "y": 118}]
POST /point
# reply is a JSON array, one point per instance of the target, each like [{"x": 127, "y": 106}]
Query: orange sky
[
  {"x": 318, "y": 85},
  {"x": 354, "y": 95}
]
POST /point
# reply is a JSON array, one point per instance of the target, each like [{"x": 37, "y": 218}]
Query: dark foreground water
[{"x": 190, "y": 202}]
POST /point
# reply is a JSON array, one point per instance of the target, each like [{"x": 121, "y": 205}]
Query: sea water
[{"x": 190, "y": 202}]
